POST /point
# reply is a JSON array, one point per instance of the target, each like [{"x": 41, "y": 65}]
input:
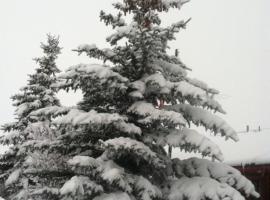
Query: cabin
[
  {"x": 251, "y": 156},
  {"x": 254, "y": 159},
  {"x": 259, "y": 174}
]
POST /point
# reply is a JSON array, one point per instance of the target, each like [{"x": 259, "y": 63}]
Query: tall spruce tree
[
  {"x": 111, "y": 146},
  {"x": 38, "y": 93}
]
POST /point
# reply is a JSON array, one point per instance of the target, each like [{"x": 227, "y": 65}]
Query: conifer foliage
[
  {"x": 111, "y": 145},
  {"x": 22, "y": 134}
]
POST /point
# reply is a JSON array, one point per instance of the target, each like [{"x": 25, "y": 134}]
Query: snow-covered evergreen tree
[
  {"x": 27, "y": 129},
  {"x": 111, "y": 146}
]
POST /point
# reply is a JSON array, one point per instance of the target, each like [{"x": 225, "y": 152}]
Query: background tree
[
  {"x": 38, "y": 93},
  {"x": 111, "y": 146}
]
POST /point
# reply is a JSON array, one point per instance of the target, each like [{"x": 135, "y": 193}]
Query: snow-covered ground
[{"x": 253, "y": 147}]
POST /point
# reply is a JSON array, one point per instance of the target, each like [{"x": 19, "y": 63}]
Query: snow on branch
[
  {"x": 129, "y": 31},
  {"x": 22, "y": 194},
  {"x": 9, "y": 126},
  {"x": 126, "y": 146},
  {"x": 113, "y": 196},
  {"x": 7, "y": 159},
  {"x": 182, "y": 89},
  {"x": 12, "y": 137},
  {"x": 151, "y": 114},
  {"x": 159, "y": 5},
  {"x": 13, "y": 177},
  {"x": 187, "y": 90},
  {"x": 100, "y": 71},
  {"x": 202, "y": 85},
  {"x": 172, "y": 70},
  {"x": 103, "y": 73},
  {"x": 139, "y": 89},
  {"x": 26, "y": 107},
  {"x": 114, "y": 175},
  {"x": 40, "y": 144},
  {"x": 105, "y": 54},
  {"x": 115, "y": 21},
  {"x": 146, "y": 190},
  {"x": 203, "y": 117},
  {"x": 80, "y": 186},
  {"x": 190, "y": 140},
  {"x": 46, "y": 191},
  {"x": 221, "y": 172},
  {"x": 174, "y": 3},
  {"x": 102, "y": 168},
  {"x": 79, "y": 117},
  {"x": 168, "y": 33},
  {"x": 34, "y": 131},
  {"x": 85, "y": 165},
  {"x": 83, "y": 161},
  {"x": 202, "y": 188},
  {"x": 51, "y": 111}
]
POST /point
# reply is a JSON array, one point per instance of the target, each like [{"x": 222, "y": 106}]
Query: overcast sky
[{"x": 227, "y": 44}]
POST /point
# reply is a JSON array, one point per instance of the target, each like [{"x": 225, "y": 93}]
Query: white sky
[{"x": 227, "y": 44}]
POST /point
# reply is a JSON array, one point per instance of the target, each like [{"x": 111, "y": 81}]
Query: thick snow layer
[
  {"x": 122, "y": 31},
  {"x": 114, "y": 174},
  {"x": 202, "y": 188},
  {"x": 128, "y": 127},
  {"x": 188, "y": 90},
  {"x": 136, "y": 94},
  {"x": 94, "y": 70},
  {"x": 13, "y": 177},
  {"x": 25, "y": 107},
  {"x": 169, "y": 68},
  {"x": 221, "y": 172},
  {"x": 157, "y": 78},
  {"x": 182, "y": 89},
  {"x": 129, "y": 145},
  {"x": 151, "y": 113},
  {"x": 203, "y": 117},
  {"x": 51, "y": 110},
  {"x": 139, "y": 87},
  {"x": 22, "y": 109},
  {"x": 147, "y": 190},
  {"x": 106, "y": 169},
  {"x": 202, "y": 85},
  {"x": 92, "y": 48},
  {"x": 113, "y": 196},
  {"x": 190, "y": 140},
  {"x": 80, "y": 185},
  {"x": 77, "y": 117},
  {"x": 83, "y": 161}
]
